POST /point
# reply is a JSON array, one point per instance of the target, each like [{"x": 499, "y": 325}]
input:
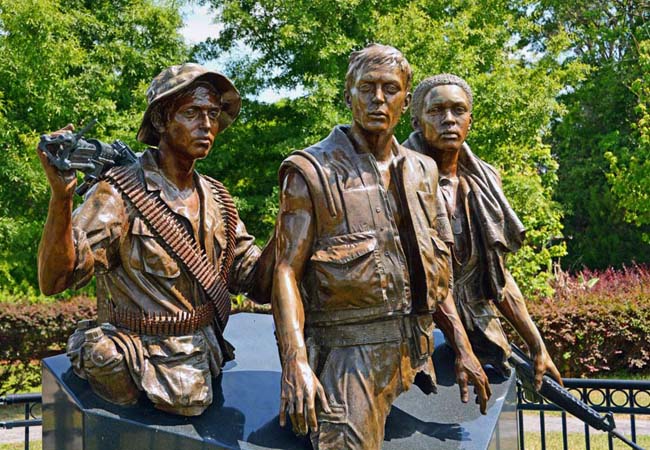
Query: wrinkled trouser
[
  {"x": 361, "y": 382},
  {"x": 174, "y": 372}
]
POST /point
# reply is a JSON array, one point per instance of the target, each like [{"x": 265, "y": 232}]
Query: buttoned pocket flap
[
  {"x": 441, "y": 246},
  {"x": 344, "y": 249},
  {"x": 148, "y": 255},
  {"x": 140, "y": 228}
]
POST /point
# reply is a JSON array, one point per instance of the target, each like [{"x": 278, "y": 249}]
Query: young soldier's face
[
  {"x": 193, "y": 125},
  {"x": 378, "y": 98},
  {"x": 445, "y": 118}
]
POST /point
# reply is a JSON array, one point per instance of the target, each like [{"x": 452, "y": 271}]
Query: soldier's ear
[
  {"x": 415, "y": 123},
  {"x": 471, "y": 119},
  {"x": 348, "y": 99},
  {"x": 157, "y": 121},
  {"x": 407, "y": 102}
]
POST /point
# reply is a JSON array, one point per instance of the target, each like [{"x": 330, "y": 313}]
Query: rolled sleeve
[{"x": 97, "y": 225}]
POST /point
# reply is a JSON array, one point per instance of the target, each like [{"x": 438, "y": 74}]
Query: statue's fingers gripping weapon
[
  {"x": 70, "y": 151},
  {"x": 561, "y": 397}
]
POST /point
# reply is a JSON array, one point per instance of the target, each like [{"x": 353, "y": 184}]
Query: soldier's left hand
[
  {"x": 468, "y": 369},
  {"x": 544, "y": 365}
]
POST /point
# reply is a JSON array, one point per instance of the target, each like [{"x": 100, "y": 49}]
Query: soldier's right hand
[
  {"x": 468, "y": 369},
  {"x": 62, "y": 183},
  {"x": 300, "y": 387}
]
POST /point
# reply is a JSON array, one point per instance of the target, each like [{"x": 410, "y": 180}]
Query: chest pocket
[
  {"x": 148, "y": 255},
  {"x": 347, "y": 272}
]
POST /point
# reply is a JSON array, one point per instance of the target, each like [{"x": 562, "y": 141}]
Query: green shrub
[
  {"x": 30, "y": 332},
  {"x": 598, "y": 322}
]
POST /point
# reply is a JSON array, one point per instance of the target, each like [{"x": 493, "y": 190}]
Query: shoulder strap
[
  {"x": 229, "y": 215},
  {"x": 176, "y": 239},
  {"x": 314, "y": 174}
]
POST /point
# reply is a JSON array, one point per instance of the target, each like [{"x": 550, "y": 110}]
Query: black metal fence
[
  {"x": 30, "y": 420},
  {"x": 621, "y": 397}
]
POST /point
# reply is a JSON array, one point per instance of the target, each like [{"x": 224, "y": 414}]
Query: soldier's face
[
  {"x": 378, "y": 98},
  {"x": 194, "y": 124},
  {"x": 445, "y": 118}
]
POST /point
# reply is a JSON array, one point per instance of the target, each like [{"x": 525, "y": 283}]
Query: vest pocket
[
  {"x": 346, "y": 272},
  {"x": 148, "y": 255}
]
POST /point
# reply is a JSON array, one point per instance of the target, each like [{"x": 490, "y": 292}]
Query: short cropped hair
[
  {"x": 438, "y": 80},
  {"x": 377, "y": 55}
]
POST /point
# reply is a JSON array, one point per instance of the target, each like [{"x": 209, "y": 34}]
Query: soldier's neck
[
  {"x": 379, "y": 145},
  {"x": 447, "y": 161},
  {"x": 179, "y": 171}
]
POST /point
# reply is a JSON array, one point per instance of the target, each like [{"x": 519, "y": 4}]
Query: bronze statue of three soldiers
[{"x": 369, "y": 237}]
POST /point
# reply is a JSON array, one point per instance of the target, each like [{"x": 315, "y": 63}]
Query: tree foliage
[
  {"x": 601, "y": 136},
  {"x": 306, "y": 44},
  {"x": 67, "y": 61},
  {"x": 630, "y": 170}
]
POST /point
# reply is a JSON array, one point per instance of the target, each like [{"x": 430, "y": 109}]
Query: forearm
[
  {"x": 513, "y": 308},
  {"x": 56, "y": 252},
  {"x": 447, "y": 319},
  {"x": 288, "y": 314}
]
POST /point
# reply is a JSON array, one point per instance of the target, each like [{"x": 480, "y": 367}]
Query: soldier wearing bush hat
[
  {"x": 160, "y": 329},
  {"x": 175, "y": 80}
]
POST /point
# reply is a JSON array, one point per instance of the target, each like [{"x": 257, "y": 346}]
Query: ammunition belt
[
  {"x": 182, "y": 323},
  {"x": 178, "y": 241}
]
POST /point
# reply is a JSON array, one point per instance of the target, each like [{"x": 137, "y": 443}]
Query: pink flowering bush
[{"x": 597, "y": 321}]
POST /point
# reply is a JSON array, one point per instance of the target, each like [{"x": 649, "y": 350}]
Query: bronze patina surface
[
  {"x": 158, "y": 330},
  {"x": 362, "y": 268},
  {"x": 485, "y": 228}
]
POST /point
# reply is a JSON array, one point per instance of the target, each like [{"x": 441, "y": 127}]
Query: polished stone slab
[{"x": 244, "y": 414}]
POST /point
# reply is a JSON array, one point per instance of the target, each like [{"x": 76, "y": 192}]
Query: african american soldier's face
[
  {"x": 445, "y": 118},
  {"x": 193, "y": 125},
  {"x": 378, "y": 97}
]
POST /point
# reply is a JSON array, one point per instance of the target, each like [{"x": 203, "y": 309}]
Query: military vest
[{"x": 359, "y": 269}]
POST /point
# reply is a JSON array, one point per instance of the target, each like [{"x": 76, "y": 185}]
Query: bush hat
[{"x": 173, "y": 80}]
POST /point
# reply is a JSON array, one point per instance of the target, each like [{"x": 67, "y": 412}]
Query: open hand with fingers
[
  {"x": 300, "y": 387},
  {"x": 468, "y": 369}
]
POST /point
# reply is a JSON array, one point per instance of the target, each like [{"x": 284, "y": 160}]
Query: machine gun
[
  {"x": 70, "y": 151},
  {"x": 556, "y": 394}
]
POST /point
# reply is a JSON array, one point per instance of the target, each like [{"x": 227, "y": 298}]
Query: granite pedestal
[{"x": 244, "y": 414}]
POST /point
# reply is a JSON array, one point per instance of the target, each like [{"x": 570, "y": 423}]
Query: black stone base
[{"x": 244, "y": 414}]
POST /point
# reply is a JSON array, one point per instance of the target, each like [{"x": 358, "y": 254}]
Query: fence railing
[
  {"x": 30, "y": 420},
  {"x": 621, "y": 397}
]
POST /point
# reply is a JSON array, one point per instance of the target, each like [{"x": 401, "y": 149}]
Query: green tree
[
  {"x": 68, "y": 61},
  {"x": 603, "y": 125},
  {"x": 630, "y": 170},
  {"x": 306, "y": 44}
]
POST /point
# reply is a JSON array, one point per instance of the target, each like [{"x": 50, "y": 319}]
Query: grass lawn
[
  {"x": 33, "y": 445},
  {"x": 17, "y": 412},
  {"x": 577, "y": 441}
]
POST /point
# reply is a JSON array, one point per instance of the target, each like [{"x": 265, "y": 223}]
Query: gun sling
[{"x": 176, "y": 240}]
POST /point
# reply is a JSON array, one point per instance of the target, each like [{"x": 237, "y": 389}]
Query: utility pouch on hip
[{"x": 422, "y": 336}]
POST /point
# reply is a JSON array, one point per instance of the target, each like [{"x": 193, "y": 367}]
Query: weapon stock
[{"x": 561, "y": 397}]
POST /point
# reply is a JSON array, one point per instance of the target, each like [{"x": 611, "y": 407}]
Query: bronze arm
[{"x": 294, "y": 241}]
